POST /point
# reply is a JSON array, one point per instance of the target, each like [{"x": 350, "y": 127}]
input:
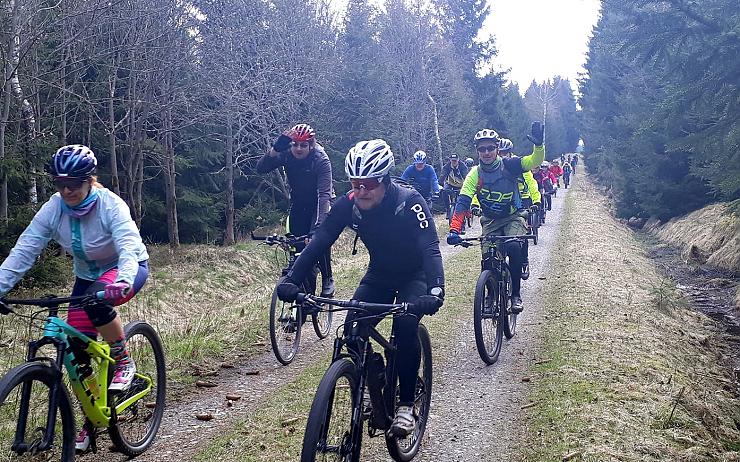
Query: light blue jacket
[{"x": 105, "y": 238}]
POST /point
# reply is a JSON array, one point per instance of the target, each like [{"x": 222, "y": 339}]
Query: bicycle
[
  {"x": 36, "y": 412},
  {"x": 493, "y": 317},
  {"x": 566, "y": 180},
  {"x": 286, "y": 320},
  {"x": 335, "y": 422}
]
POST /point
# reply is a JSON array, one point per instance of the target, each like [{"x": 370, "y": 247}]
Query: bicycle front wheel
[
  {"x": 487, "y": 318},
  {"x": 25, "y": 395},
  {"x": 405, "y": 449},
  {"x": 136, "y": 424},
  {"x": 509, "y": 317},
  {"x": 329, "y": 435},
  {"x": 285, "y": 328}
]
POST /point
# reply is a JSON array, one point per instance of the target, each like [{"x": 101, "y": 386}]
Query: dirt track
[{"x": 474, "y": 408}]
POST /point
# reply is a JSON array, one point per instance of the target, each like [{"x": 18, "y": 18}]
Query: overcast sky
[{"x": 538, "y": 39}]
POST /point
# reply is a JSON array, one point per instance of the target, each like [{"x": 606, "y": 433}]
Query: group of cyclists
[{"x": 393, "y": 220}]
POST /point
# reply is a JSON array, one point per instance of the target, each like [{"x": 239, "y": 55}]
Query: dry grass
[
  {"x": 711, "y": 234},
  {"x": 633, "y": 375},
  {"x": 205, "y": 301}
]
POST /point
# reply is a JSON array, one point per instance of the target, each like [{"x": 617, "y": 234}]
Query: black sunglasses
[
  {"x": 486, "y": 148},
  {"x": 73, "y": 184}
]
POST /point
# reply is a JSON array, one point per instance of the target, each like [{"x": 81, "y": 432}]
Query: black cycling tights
[
  {"x": 408, "y": 357},
  {"x": 300, "y": 222},
  {"x": 515, "y": 252}
]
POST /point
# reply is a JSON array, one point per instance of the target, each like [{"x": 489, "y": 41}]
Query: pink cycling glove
[{"x": 117, "y": 290}]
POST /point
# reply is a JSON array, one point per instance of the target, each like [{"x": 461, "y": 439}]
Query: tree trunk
[
  {"x": 27, "y": 112},
  {"x": 229, "y": 234},
  {"x": 169, "y": 180},
  {"x": 436, "y": 131},
  {"x": 112, "y": 132},
  {"x": 3, "y": 126}
]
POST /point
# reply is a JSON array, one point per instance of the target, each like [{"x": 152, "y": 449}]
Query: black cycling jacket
[
  {"x": 309, "y": 179},
  {"x": 399, "y": 234}
]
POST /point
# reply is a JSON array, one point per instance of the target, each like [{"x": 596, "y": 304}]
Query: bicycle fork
[{"x": 19, "y": 445}]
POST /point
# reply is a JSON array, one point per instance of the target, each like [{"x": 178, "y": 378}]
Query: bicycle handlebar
[
  {"x": 277, "y": 240},
  {"x": 50, "y": 301},
  {"x": 355, "y": 304},
  {"x": 468, "y": 241}
]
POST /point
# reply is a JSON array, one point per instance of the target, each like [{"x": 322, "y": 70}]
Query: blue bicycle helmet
[
  {"x": 74, "y": 161},
  {"x": 420, "y": 157}
]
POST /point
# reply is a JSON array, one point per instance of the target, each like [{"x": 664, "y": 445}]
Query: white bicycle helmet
[
  {"x": 487, "y": 134},
  {"x": 505, "y": 145},
  {"x": 369, "y": 159},
  {"x": 419, "y": 157}
]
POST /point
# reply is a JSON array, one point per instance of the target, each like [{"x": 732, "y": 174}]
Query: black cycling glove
[
  {"x": 538, "y": 133},
  {"x": 428, "y": 304},
  {"x": 282, "y": 143},
  {"x": 288, "y": 291}
]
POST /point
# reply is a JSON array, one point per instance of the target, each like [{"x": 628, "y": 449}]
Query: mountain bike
[
  {"x": 566, "y": 180},
  {"x": 493, "y": 317},
  {"x": 286, "y": 319},
  {"x": 37, "y": 420},
  {"x": 335, "y": 423}
]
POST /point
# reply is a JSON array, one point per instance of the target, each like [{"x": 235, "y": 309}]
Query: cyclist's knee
[{"x": 100, "y": 314}]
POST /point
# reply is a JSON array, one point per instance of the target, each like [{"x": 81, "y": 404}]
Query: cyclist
[
  {"x": 469, "y": 162},
  {"x": 530, "y": 194},
  {"x": 567, "y": 170},
  {"x": 557, "y": 171},
  {"x": 453, "y": 175},
  {"x": 574, "y": 163},
  {"x": 94, "y": 225},
  {"x": 495, "y": 182},
  {"x": 396, "y": 226},
  {"x": 422, "y": 176},
  {"x": 310, "y": 180}
]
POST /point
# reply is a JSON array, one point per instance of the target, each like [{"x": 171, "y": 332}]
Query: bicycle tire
[
  {"x": 509, "y": 318},
  {"x": 284, "y": 325},
  {"x": 536, "y": 231},
  {"x": 320, "y": 416},
  {"x": 321, "y": 321},
  {"x": 32, "y": 374},
  {"x": 144, "y": 410},
  {"x": 397, "y": 448},
  {"x": 485, "y": 310}
]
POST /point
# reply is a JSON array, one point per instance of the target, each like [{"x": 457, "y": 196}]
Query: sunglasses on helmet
[{"x": 368, "y": 183}]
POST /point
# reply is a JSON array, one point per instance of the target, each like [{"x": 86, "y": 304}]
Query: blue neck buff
[{"x": 84, "y": 207}]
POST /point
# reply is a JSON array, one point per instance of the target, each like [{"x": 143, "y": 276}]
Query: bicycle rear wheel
[
  {"x": 36, "y": 381},
  {"x": 134, "y": 428},
  {"x": 509, "y": 317},
  {"x": 329, "y": 435},
  {"x": 487, "y": 323},
  {"x": 285, "y": 328},
  {"x": 405, "y": 449},
  {"x": 321, "y": 321}
]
